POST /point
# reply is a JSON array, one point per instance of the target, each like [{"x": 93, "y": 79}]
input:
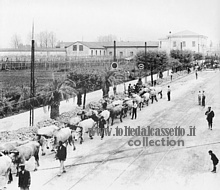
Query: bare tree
[
  {"x": 108, "y": 38},
  {"x": 15, "y": 41},
  {"x": 40, "y": 39},
  {"x": 46, "y": 39},
  {"x": 52, "y": 39}
]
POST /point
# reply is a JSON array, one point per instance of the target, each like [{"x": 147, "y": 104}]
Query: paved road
[{"x": 113, "y": 164}]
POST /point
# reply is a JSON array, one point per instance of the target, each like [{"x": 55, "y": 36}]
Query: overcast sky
[{"x": 129, "y": 20}]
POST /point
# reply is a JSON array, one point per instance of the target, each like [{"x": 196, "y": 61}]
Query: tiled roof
[
  {"x": 186, "y": 33},
  {"x": 132, "y": 44},
  {"x": 93, "y": 45},
  {"x": 65, "y": 44},
  {"x": 102, "y": 45}
]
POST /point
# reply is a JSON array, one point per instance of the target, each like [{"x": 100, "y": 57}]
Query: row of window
[
  {"x": 121, "y": 53},
  {"x": 184, "y": 44},
  {"x": 96, "y": 52}
]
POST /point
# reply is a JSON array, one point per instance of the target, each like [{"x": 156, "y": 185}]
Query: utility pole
[
  {"x": 151, "y": 74},
  {"x": 32, "y": 90},
  {"x": 84, "y": 98},
  {"x": 114, "y": 51},
  {"x": 145, "y": 53}
]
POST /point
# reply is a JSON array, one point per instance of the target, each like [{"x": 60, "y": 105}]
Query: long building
[{"x": 86, "y": 49}]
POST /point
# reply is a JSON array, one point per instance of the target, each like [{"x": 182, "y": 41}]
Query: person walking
[
  {"x": 134, "y": 110},
  {"x": 61, "y": 156},
  {"x": 168, "y": 93},
  {"x": 203, "y": 98},
  {"x": 199, "y": 97},
  {"x": 24, "y": 178},
  {"x": 210, "y": 114},
  {"x": 129, "y": 90},
  {"x": 83, "y": 116},
  {"x": 196, "y": 74},
  {"x": 102, "y": 123},
  {"x": 214, "y": 160},
  {"x": 188, "y": 70},
  {"x": 153, "y": 96},
  {"x": 114, "y": 90},
  {"x": 171, "y": 75}
]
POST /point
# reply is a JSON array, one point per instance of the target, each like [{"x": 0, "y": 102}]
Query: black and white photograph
[{"x": 109, "y": 94}]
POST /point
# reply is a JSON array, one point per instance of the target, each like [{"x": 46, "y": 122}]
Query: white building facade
[{"x": 185, "y": 40}]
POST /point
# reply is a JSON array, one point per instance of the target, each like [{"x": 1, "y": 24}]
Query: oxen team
[{"x": 18, "y": 152}]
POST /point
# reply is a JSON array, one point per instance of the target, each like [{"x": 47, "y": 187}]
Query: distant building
[
  {"x": 185, "y": 40},
  {"x": 123, "y": 49},
  {"x": 85, "y": 49},
  {"x": 41, "y": 52}
]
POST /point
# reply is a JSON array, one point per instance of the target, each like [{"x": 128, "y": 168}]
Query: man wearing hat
[
  {"x": 210, "y": 114},
  {"x": 24, "y": 178},
  {"x": 61, "y": 156},
  {"x": 214, "y": 160}
]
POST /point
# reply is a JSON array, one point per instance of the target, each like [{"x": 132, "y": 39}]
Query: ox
[
  {"x": 23, "y": 153},
  {"x": 9, "y": 146},
  {"x": 84, "y": 127},
  {"x": 5, "y": 168},
  {"x": 158, "y": 90},
  {"x": 75, "y": 120},
  {"x": 65, "y": 136},
  {"x": 128, "y": 103},
  {"x": 146, "y": 97},
  {"x": 43, "y": 136},
  {"x": 106, "y": 115},
  {"x": 138, "y": 99},
  {"x": 115, "y": 111}
]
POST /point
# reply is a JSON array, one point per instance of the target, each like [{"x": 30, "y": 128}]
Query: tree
[
  {"x": 15, "y": 41},
  {"x": 46, "y": 39},
  {"x": 174, "y": 64},
  {"x": 110, "y": 78},
  {"x": 153, "y": 61},
  {"x": 57, "y": 91},
  {"x": 184, "y": 57},
  {"x": 40, "y": 39},
  {"x": 52, "y": 39},
  {"x": 198, "y": 56}
]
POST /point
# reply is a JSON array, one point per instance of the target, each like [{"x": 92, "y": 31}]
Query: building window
[
  {"x": 104, "y": 52},
  {"x": 160, "y": 44},
  {"x": 174, "y": 44},
  {"x": 110, "y": 53},
  {"x": 80, "y": 47},
  {"x": 131, "y": 53},
  {"x": 193, "y": 44},
  {"x": 74, "y": 47},
  {"x": 184, "y": 44},
  {"x": 92, "y": 52},
  {"x": 100, "y": 52},
  {"x": 95, "y": 52},
  {"x": 121, "y": 54}
]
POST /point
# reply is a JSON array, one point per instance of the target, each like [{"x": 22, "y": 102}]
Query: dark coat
[
  {"x": 24, "y": 179},
  {"x": 104, "y": 105},
  {"x": 214, "y": 159},
  {"x": 102, "y": 123},
  {"x": 210, "y": 115},
  {"x": 61, "y": 153}
]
